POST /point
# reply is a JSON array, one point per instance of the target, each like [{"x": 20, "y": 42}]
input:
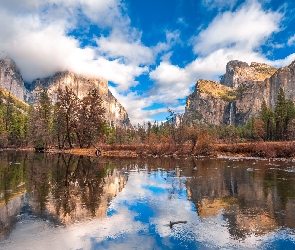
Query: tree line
[{"x": 72, "y": 122}]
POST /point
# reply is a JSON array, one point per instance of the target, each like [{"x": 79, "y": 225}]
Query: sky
[{"x": 152, "y": 52}]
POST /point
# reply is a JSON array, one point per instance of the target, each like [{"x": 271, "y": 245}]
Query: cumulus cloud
[
  {"x": 282, "y": 62},
  {"x": 137, "y": 105},
  {"x": 40, "y": 44},
  {"x": 246, "y": 29},
  {"x": 134, "y": 104},
  {"x": 131, "y": 50},
  {"x": 171, "y": 82}
]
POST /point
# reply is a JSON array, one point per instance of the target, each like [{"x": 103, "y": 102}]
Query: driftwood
[{"x": 177, "y": 222}]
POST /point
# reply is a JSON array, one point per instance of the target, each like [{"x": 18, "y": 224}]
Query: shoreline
[{"x": 248, "y": 149}]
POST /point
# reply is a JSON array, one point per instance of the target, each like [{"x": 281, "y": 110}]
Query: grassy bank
[{"x": 249, "y": 149}]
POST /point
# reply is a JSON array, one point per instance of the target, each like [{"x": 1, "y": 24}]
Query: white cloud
[
  {"x": 136, "y": 105},
  {"x": 246, "y": 29},
  {"x": 107, "y": 13},
  {"x": 213, "y": 65},
  {"x": 282, "y": 62},
  {"x": 172, "y": 38},
  {"x": 291, "y": 40},
  {"x": 131, "y": 50},
  {"x": 40, "y": 44},
  {"x": 171, "y": 82}
]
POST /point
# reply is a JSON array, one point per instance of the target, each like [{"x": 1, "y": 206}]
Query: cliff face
[
  {"x": 240, "y": 93},
  {"x": 115, "y": 112},
  {"x": 11, "y": 80}
]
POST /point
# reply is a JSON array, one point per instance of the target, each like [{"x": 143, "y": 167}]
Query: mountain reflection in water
[
  {"x": 62, "y": 189},
  {"x": 130, "y": 203}
]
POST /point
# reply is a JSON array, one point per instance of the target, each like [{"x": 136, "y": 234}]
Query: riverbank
[{"x": 249, "y": 149}]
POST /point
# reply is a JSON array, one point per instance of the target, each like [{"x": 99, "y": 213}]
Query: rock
[
  {"x": 239, "y": 95},
  {"x": 11, "y": 80},
  {"x": 81, "y": 85}
]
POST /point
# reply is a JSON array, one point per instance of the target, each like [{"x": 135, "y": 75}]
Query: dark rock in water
[
  {"x": 177, "y": 222},
  {"x": 98, "y": 152}
]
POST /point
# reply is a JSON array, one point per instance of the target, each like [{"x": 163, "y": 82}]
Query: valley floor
[{"x": 249, "y": 149}]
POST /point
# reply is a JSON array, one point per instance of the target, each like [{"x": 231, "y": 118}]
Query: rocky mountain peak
[
  {"x": 239, "y": 94},
  {"x": 238, "y": 72}
]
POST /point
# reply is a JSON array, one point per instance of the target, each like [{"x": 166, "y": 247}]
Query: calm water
[{"x": 69, "y": 202}]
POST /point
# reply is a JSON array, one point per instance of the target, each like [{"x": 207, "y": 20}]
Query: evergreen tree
[
  {"x": 280, "y": 114},
  {"x": 290, "y": 113},
  {"x": 267, "y": 116}
]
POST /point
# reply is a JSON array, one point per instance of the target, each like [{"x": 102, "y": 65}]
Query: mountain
[
  {"x": 11, "y": 80},
  {"x": 239, "y": 94}
]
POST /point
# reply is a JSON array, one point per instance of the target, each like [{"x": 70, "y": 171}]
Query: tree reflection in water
[
  {"x": 62, "y": 189},
  {"x": 65, "y": 189}
]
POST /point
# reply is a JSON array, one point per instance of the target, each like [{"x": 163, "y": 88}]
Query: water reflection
[
  {"x": 225, "y": 205},
  {"x": 255, "y": 202},
  {"x": 62, "y": 189}
]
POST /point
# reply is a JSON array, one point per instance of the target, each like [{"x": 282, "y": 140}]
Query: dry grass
[
  {"x": 264, "y": 71},
  {"x": 253, "y": 149},
  {"x": 216, "y": 90},
  {"x": 258, "y": 149}
]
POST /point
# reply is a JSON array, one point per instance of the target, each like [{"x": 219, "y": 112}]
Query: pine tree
[
  {"x": 280, "y": 115},
  {"x": 267, "y": 116},
  {"x": 290, "y": 113}
]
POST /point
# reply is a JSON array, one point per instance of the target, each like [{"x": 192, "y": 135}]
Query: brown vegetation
[
  {"x": 258, "y": 149},
  {"x": 249, "y": 149}
]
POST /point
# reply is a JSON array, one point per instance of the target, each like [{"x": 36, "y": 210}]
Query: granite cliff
[
  {"x": 11, "y": 80},
  {"x": 239, "y": 94}
]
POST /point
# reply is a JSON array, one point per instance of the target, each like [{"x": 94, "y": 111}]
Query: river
[{"x": 57, "y": 201}]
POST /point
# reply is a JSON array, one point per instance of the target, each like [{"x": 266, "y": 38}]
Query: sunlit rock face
[
  {"x": 11, "y": 80},
  {"x": 81, "y": 85},
  {"x": 239, "y": 95}
]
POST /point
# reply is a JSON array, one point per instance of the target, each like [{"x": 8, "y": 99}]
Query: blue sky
[{"x": 153, "y": 51}]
